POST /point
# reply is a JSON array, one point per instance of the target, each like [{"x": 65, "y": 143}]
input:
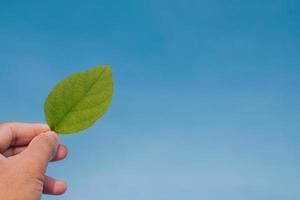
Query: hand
[{"x": 25, "y": 150}]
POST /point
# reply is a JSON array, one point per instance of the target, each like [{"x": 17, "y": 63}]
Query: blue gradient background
[{"x": 206, "y": 102}]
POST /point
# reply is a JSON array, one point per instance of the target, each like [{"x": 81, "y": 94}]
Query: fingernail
[
  {"x": 45, "y": 126},
  {"x": 53, "y": 135}
]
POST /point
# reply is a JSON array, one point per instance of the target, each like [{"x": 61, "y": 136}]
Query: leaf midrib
[{"x": 78, "y": 101}]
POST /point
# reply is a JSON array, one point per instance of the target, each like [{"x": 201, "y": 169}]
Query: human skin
[{"x": 25, "y": 151}]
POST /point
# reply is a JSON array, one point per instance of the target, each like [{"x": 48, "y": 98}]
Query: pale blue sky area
[{"x": 206, "y": 102}]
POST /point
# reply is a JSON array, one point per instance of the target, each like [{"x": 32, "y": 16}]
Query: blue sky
[{"x": 206, "y": 102}]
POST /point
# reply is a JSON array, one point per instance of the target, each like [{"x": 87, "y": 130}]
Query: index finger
[{"x": 19, "y": 134}]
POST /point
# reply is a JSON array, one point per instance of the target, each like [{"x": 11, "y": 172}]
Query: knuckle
[
  {"x": 6, "y": 132},
  {"x": 3, "y": 124}
]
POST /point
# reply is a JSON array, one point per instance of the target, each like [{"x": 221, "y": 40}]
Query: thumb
[{"x": 41, "y": 150}]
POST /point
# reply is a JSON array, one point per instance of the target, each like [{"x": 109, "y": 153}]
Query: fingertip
[
  {"x": 60, "y": 187},
  {"x": 62, "y": 152},
  {"x": 53, "y": 135},
  {"x": 54, "y": 187},
  {"x": 44, "y": 127}
]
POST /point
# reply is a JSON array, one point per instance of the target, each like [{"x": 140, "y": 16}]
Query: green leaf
[{"x": 77, "y": 101}]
